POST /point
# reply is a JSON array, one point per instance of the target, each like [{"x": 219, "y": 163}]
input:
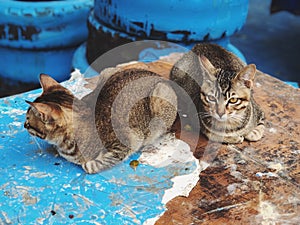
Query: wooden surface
[{"x": 248, "y": 183}]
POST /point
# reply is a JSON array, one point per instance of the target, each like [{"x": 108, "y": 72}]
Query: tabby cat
[
  {"x": 128, "y": 110},
  {"x": 220, "y": 85}
]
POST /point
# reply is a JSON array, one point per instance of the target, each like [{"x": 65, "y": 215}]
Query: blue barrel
[
  {"x": 116, "y": 22},
  {"x": 173, "y": 20},
  {"x": 41, "y": 37}
]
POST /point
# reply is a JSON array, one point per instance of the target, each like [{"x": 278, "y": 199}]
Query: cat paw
[
  {"x": 102, "y": 162},
  {"x": 92, "y": 167},
  {"x": 233, "y": 140},
  {"x": 256, "y": 134},
  {"x": 226, "y": 139}
]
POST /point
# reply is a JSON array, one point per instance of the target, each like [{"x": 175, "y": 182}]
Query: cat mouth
[
  {"x": 222, "y": 118},
  {"x": 34, "y": 132},
  {"x": 42, "y": 136}
]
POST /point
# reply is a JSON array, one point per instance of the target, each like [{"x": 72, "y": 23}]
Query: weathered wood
[{"x": 248, "y": 183}]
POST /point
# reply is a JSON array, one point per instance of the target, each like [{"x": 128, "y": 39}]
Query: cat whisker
[
  {"x": 35, "y": 139},
  {"x": 204, "y": 115},
  {"x": 237, "y": 119},
  {"x": 217, "y": 95}
]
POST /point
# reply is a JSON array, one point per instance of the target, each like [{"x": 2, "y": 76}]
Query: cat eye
[
  {"x": 210, "y": 98},
  {"x": 233, "y": 100}
]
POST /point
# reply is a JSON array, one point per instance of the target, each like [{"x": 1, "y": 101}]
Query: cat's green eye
[
  {"x": 233, "y": 100},
  {"x": 210, "y": 98}
]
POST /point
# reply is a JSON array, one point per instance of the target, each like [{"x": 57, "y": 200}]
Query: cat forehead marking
[{"x": 224, "y": 81}]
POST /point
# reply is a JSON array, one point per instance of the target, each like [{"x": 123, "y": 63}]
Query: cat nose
[
  {"x": 221, "y": 113},
  {"x": 222, "y": 116}
]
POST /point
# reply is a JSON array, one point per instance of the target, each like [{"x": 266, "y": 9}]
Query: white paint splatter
[
  {"x": 12, "y": 111},
  {"x": 268, "y": 174},
  {"x": 295, "y": 152},
  {"x": 76, "y": 84},
  {"x": 6, "y": 219},
  {"x": 27, "y": 167},
  {"x": 76, "y": 75},
  {"x": 33, "y": 96},
  {"x": 233, "y": 172},
  {"x": 231, "y": 188},
  {"x": 169, "y": 152},
  {"x": 40, "y": 175},
  {"x": 268, "y": 213},
  {"x": 275, "y": 166},
  {"x": 273, "y": 130},
  {"x": 258, "y": 84},
  {"x": 15, "y": 123},
  {"x": 182, "y": 185}
]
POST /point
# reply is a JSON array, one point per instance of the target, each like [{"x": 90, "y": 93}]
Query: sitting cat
[
  {"x": 220, "y": 85},
  {"x": 132, "y": 108}
]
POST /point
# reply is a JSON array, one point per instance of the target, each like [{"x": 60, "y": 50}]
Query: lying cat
[
  {"x": 132, "y": 108},
  {"x": 220, "y": 85}
]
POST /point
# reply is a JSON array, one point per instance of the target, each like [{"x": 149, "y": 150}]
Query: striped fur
[
  {"x": 220, "y": 85},
  {"x": 127, "y": 110}
]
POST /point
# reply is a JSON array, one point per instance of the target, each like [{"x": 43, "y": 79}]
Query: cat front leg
[
  {"x": 233, "y": 140},
  {"x": 224, "y": 139},
  {"x": 102, "y": 162},
  {"x": 256, "y": 134}
]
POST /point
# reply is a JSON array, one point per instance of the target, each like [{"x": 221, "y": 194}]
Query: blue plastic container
[{"x": 41, "y": 37}]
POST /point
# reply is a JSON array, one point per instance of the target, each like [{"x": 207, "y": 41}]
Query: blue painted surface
[
  {"x": 293, "y": 84},
  {"x": 37, "y": 187}
]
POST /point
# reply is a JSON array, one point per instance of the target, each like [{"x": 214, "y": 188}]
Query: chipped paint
[
  {"x": 15, "y": 123},
  {"x": 163, "y": 155},
  {"x": 154, "y": 22},
  {"x": 271, "y": 214},
  {"x": 34, "y": 177},
  {"x": 268, "y": 174},
  {"x": 273, "y": 130}
]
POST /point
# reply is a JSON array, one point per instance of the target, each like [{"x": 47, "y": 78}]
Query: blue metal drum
[
  {"x": 175, "y": 20},
  {"x": 113, "y": 23},
  {"x": 40, "y": 37}
]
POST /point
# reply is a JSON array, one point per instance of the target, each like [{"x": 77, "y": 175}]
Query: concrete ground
[{"x": 271, "y": 41}]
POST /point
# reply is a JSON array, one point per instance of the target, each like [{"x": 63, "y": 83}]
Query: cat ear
[
  {"x": 47, "y": 112},
  {"x": 246, "y": 76},
  {"x": 47, "y": 82},
  {"x": 207, "y": 64}
]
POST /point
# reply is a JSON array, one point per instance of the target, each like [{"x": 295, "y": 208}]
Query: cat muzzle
[{"x": 33, "y": 131}]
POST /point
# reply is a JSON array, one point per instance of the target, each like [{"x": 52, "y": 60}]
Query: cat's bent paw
[
  {"x": 256, "y": 134},
  {"x": 233, "y": 140},
  {"x": 226, "y": 139},
  {"x": 92, "y": 167}
]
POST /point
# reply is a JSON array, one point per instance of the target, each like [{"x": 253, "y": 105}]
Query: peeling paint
[{"x": 36, "y": 178}]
